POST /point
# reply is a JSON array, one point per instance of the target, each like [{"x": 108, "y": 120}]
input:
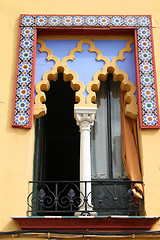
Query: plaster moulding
[
  {"x": 86, "y": 25},
  {"x": 52, "y": 75},
  {"x": 131, "y": 109}
]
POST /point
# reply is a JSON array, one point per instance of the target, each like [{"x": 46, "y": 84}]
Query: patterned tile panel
[
  {"x": 50, "y": 21},
  {"x": 24, "y": 75},
  {"x": 145, "y": 59}
]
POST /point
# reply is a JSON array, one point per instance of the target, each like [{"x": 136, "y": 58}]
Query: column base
[{"x": 83, "y": 212}]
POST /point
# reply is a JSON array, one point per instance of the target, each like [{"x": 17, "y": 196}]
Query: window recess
[{"x": 57, "y": 187}]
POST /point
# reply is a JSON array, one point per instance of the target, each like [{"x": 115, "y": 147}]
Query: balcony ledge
[{"x": 87, "y": 223}]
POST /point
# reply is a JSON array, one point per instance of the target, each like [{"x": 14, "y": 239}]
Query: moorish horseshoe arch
[
  {"x": 118, "y": 75},
  {"x": 145, "y": 66}
]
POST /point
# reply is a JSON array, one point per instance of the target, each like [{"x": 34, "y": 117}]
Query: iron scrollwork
[{"x": 110, "y": 197}]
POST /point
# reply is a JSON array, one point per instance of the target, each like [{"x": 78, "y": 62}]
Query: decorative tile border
[
  {"x": 146, "y": 82},
  {"x": 91, "y": 21}
]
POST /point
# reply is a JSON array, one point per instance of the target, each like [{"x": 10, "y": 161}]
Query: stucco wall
[{"x": 17, "y": 144}]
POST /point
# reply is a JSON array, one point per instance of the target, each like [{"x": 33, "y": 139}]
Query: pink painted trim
[
  {"x": 83, "y": 15},
  {"x": 138, "y": 80},
  {"x": 15, "y": 81},
  {"x": 20, "y": 19}
]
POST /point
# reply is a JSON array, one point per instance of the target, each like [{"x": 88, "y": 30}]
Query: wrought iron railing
[{"x": 107, "y": 197}]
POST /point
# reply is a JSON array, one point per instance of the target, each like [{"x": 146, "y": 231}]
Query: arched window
[
  {"x": 106, "y": 150},
  {"x": 62, "y": 171},
  {"x": 57, "y": 136}
]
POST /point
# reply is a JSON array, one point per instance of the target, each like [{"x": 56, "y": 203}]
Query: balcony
[{"x": 69, "y": 198}]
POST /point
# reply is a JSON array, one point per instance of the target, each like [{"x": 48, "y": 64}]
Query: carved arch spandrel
[
  {"x": 52, "y": 75},
  {"x": 69, "y": 75},
  {"x": 131, "y": 109},
  {"x": 50, "y": 55},
  {"x": 44, "y": 85},
  {"x": 120, "y": 56},
  {"x": 91, "y": 48}
]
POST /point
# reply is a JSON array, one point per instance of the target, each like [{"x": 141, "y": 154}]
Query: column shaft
[{"x": 85, "y": 119}]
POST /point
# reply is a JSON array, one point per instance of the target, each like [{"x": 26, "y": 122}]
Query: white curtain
[{"x": 99, "y": 134}]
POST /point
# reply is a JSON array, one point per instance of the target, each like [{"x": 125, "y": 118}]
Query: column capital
[{"x": 85, "y": 117}]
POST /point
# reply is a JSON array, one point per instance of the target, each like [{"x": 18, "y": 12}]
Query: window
[
  {"x": 140, "y": 26},
  {"x": 62, "y": 182}
]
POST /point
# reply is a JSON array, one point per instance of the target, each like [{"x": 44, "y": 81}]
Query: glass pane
[
  {"x": 106, "y": 154},
  {"x": 117, "y": 164},
  {"x": 99, "y": 137}
]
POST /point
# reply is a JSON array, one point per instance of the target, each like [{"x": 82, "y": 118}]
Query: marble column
[{"x": 85, "y": 119}]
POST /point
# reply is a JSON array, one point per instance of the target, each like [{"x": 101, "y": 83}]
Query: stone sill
[{"x": 86, "y": 223}]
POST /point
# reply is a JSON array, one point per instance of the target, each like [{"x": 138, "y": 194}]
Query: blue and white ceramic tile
[{"x": 24, "y": 74}]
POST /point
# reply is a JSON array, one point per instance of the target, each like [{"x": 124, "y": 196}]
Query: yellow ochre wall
[{"x": 16, "y": 145}]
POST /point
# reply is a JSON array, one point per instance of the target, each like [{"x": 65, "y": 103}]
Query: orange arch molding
[{"x": 131, "y": 109}]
